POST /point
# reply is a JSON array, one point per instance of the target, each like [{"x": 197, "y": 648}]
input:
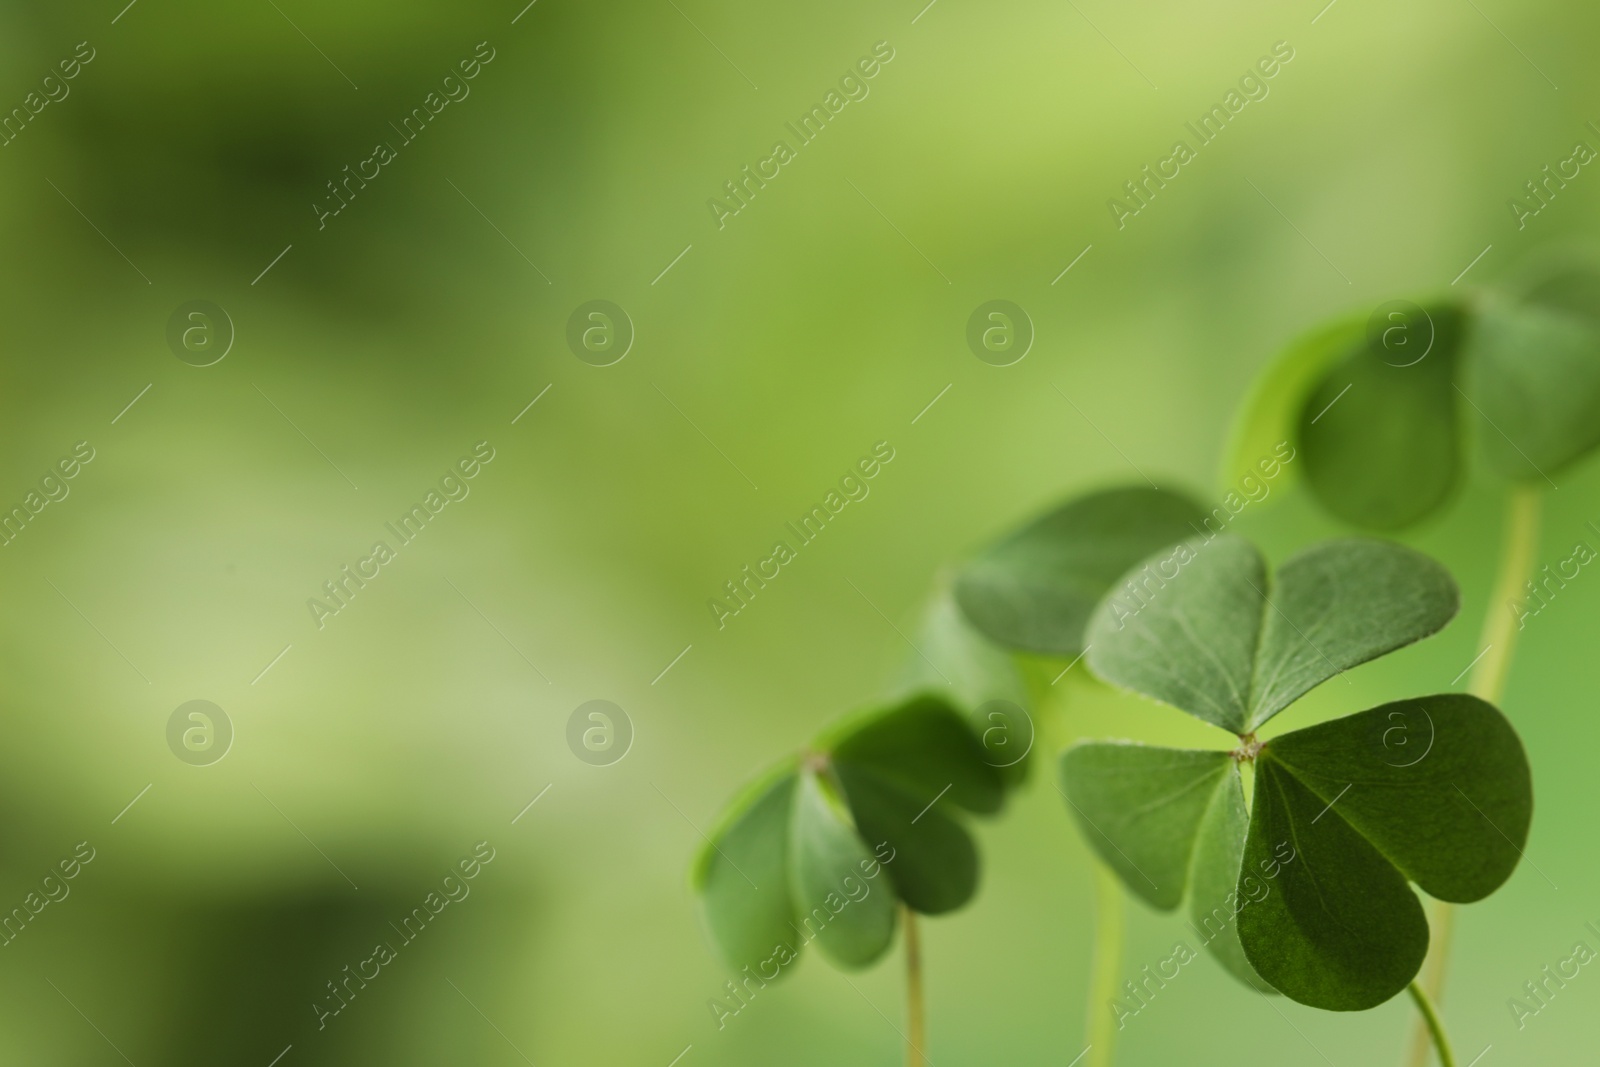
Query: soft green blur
[{"x": 819, "y": 320}]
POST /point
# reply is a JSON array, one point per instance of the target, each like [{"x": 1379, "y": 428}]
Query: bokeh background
[{"x": 824, "y": 317}]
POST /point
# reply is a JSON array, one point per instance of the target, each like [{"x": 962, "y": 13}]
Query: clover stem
[
  {"x": 1488, "y": 682},
  {"x": 1108, "y": 933},
  {"x": 1447, "y": 1058},
  {"x": 1106, "y": 953},
  {"x": 916, "y": 1029}
]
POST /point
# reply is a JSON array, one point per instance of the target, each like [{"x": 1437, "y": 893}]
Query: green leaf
[
  {"x": 1379, "y": 435},
  {"x": 1270, "y": 415},
  {"x": 1139, "y": 808},
  {"x": 1439, "y": 784},
  {"x": 1184, "y": 628},
  {"x": 1036, "y": 588},
  {"x": 924, "y": 746},
  {"x": 1218, "y": 888},
  {"x": 825, "y": 852},
  {"x": 935, "y": 864},
  {"x": 1339, "y": 929},
  {"x": 1567, "y": 284},
  {"x": 743, "y": 875},
  {"x": 1435, "y": 790},
  {"x": 981, "y": 679},
  {"x": 1200, "y": 628},
  {"x": 1532, "y": 375},
  {"x": 1342, "y": 603}
]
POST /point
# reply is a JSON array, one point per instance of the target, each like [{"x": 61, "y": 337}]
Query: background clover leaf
[
  {"x": 1379, "y": 436},
  {"x": 1203, "y": 629},
  {"x": 742, "y": 875},
  {"x": 935, "y": 867},
  {"x": 981, "y": 679},
  {"x": 827, "y": 857},
  {"x": 1271, "y": 412},
  {"x": 1532, "y": 375},
  {"x": 925, "y": 746},
  {"x": 1374, "y": 424},
  {"x": 824, "y": 846},
  {"x": 1036, "y": 588},
  {"x": 1381, "y": 428}
]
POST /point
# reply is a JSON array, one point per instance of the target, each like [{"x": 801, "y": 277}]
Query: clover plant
[
  {"x": 1386, "y": 409},
  {"x": 1390, "y": 411},
  {"x": 1033, "y": 592},
  {"x": 1304, "y": 888},
  {"x": 1296, "y": 854},
  {"x": 840, "y": 843}
]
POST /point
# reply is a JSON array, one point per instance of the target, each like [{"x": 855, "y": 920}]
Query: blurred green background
[{"x": 821, "y": 319}]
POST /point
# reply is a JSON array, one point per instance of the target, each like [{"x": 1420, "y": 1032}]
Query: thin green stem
[
  {"x": 916, "y": 1012},
  {"x": 1499, "y": 623},
  {"x": 1488, "y": 682},
  {"x": 1107, "y": 964},
  {"x": 1441, "y": 1042},
  {"x": 1441, "y": 927},
  {"x": 1106, "y": 953}
]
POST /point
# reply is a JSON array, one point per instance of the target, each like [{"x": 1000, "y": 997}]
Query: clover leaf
[
  {"x": 823, "y": 847},
  {"x": 981, "y": 679},
  {"x": 1307, "y": 894},
  {"x": 1532, "y": 374},
  {"x": 1373, "y": 420},
  {"x": 1380, "y": 435},
  {"x": 1170, "y": 822},
  {"x": 1382, "y": 410},
  {"x": 1035, "y": 589},
  {"x": 1141, "y": 807},
  {"x": 1202, "y": 628},
  {"x": 1365, "y": 816}
]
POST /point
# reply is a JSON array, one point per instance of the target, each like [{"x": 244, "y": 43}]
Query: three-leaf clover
[
  {"x": 821, "y": 848},
  {"x": 1384, "y": 410},
  {"x": 1306, "y": 891}
]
